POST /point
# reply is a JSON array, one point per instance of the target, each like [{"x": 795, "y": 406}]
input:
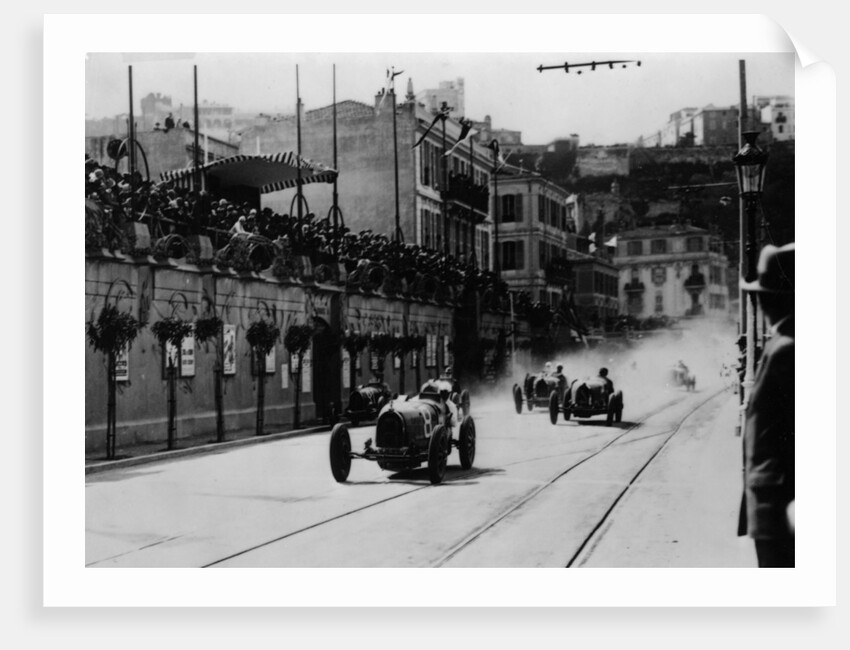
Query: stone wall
[{"x": 151, "y": 291}]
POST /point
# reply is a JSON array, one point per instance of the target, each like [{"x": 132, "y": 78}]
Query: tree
[
  {"x": 297, "y": 341},
  {"x": 171, "y": 330},
  {"x": 261, "y": 336},
  {"x": 208, "y": 327},
  {"x": 112, "y": 333}
]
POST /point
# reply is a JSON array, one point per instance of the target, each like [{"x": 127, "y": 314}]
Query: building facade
[
  {"x": 675, "y": 271},
  {"x": 777, "y": 115},
  {"x": 532, "y": 234},
  {"x": 443, "y": 201}
]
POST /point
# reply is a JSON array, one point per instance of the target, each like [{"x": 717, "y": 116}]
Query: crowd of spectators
[{"x": 113, "y": 199}]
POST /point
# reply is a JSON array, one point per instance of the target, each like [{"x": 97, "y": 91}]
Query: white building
[{"x": 675, "y": 271}]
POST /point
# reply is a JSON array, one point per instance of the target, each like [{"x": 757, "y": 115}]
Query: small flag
[
  {"x": 388, "y": 84},
  {"x": 465, "y": 134},
  {"x": 442, "y": 115},
  {"x": 494, "y": 145}
]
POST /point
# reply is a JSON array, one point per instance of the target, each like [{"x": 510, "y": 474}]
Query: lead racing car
[{"x": 411, "y": 431}]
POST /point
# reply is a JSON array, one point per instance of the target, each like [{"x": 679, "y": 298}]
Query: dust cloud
[{"x": 640, "y": 366}]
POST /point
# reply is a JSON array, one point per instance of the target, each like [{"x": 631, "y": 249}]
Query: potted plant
[
  {"x": 262, "y": 336},
  {"x": 112, "y": 332},
  {"x": 297, "y": 341},
  {"x": 171, "y": 330},
  {"x": 354, "y": 343},
  {"x": 208, "y": 327}
]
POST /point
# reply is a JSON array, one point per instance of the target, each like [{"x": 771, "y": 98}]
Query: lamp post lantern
[{"x": 750, "y": 163}]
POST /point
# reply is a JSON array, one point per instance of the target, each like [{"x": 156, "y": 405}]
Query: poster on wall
[
  {"x": 187, "y": 355},
  {"x": 284, "y": 375},
  {"x": 346, "y": 369},
  {"x": 122, "y": 365},
  {"x": 270, "y": 362},
  {"x": 171, "y": 356},
  {"x": 229, "y": 343}
]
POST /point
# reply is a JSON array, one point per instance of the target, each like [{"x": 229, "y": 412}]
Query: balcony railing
[{"x": 462, "y": 189}]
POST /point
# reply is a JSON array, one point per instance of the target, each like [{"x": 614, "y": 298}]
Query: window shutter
[
  {"x": 520, "y": 255},
  {"x": 518, "y": 208}
]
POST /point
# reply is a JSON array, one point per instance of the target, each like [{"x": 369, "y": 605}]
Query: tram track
[{"x": 493, "y": 521}]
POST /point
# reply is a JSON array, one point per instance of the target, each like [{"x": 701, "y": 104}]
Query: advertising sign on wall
[
  {"x": 122, "y": 365},
  {"x": 346, "y": 368},
  {"x": 187, "y": 356},
  {"x": 229, "y": 342}
]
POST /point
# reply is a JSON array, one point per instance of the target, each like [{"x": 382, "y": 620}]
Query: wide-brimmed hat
[{"x": 775, "y": 270}]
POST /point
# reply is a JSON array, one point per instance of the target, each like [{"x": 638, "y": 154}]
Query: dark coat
[{"x": 769, "y": 441}]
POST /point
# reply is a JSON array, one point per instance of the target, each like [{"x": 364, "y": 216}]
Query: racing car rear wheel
[
  {"x": 615, "y": 408},
  {"x": 466, "y": 444},
  {"x": 438, "y": 453},
  {"x": 340, "y": 450},
  {"x": 553, "y": 407},
  {"x": 518, "y": 398}
]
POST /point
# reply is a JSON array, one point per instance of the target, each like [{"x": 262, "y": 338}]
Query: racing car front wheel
[
  {"x": 466, "y": 444},
  {"x": 553, "y": 407},
  {"x": 567, "y": 401},
  {"x": 518, "y": 398},
  {"x": 438, "y": 453},
  {"x": 340, "y": 452}
]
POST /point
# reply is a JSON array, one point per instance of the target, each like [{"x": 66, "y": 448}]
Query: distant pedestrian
[
  {"x": 768, "y": 501},
  {"x": 169, "y": 122}
]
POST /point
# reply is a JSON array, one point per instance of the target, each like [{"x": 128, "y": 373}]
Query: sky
[{"x": 605, "y": 106}]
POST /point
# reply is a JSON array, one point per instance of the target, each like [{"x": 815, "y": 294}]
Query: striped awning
[{"x": 267, "y": 173}]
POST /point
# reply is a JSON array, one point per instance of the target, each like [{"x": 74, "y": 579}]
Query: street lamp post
[{"x": 750, "y": 163}]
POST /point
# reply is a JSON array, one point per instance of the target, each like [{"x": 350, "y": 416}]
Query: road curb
[{"x": 209, "y": 448}]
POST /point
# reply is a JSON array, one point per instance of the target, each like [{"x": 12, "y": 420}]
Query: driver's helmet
[
  {"x": 560, "y": 368},
  {"x": 603, "y": 372},
  {"x": 547, "y": 367},
  {"x": 447, "y": 372}
]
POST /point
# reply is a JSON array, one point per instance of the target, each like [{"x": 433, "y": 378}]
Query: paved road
[{"x": 574, "y": 494}]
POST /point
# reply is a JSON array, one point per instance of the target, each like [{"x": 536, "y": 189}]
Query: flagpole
[
  {"x": 444, "y": 192},
  {"x": 398, "y": 236},
  {"x": 131, "y": 140},
  {"x": 335, "y": 195},
  {"x": 497, "y": 265},
  {"x": 298, "y": 128},
  {"x": 195, "y": 176}
]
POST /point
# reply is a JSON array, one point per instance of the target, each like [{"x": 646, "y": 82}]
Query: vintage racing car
[
  {"x": 410, "y": 431},
  {"x": 549, "y": 390},
  {"x": 592, "y": 397},
  {"x": 366, "y": 401},
  {"x": 680, "y": 375}
]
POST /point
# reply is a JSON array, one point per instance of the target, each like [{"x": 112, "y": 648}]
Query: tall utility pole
[{"x": 444, "y": 183}]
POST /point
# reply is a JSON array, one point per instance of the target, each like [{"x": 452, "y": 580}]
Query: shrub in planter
[{"x": 112, "y": 332}]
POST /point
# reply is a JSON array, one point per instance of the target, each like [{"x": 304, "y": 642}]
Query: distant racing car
[
  {"x": 366, "y": 401},
  {"x": 680, "y": 375},
  {"x": 546, "y": 389}
]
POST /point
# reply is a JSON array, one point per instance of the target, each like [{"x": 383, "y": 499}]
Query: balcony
[{"x": 463, "y": 190}]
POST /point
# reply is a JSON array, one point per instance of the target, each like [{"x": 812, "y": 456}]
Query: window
[
  {"x": 512, "y": 207},
  {"x": 541, "y": 208},
  {"x": 513, "y": 256},
  {"x": 659, "y": 303},
  {"x": 430, "y": 350},
  {"x": 634, "y": 248},
  {"x": 658, "y": 246},
  {"x": 695, "y": 244}
]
